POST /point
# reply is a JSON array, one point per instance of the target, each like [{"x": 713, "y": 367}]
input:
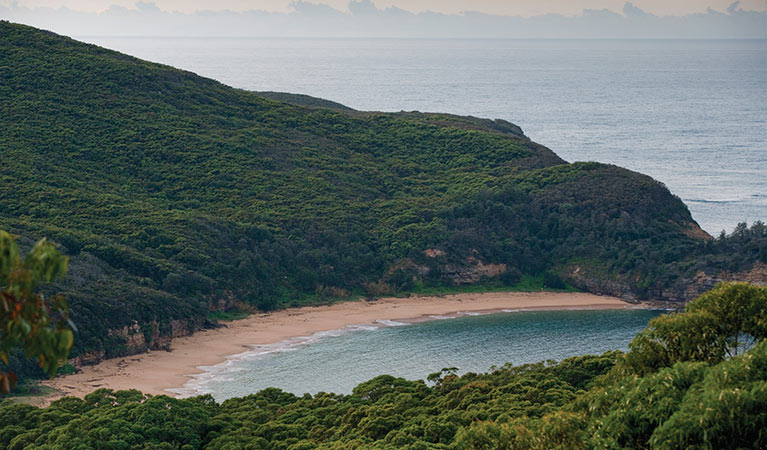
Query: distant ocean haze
[{"x": 690, "y": 113}]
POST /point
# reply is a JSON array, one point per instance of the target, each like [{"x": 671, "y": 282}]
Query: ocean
[
  {"x": 336, "y": 361},
  {"x": 690, "y": 113}
]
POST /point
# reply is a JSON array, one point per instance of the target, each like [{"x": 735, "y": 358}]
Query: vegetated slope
[
  {"x": 304, "y": 100},
  {"x": 174, "y": 194}
]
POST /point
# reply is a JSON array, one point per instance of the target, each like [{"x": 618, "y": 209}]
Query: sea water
[
  {"x": 336, "y": 361},
  {"x": 690, "y": 113}
]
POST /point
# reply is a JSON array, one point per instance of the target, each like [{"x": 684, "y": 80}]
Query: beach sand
[{"x": 157, "y": 371}]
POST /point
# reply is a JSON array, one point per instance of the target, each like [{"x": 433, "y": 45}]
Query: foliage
[
  {"x": 723, "y": 322},
  {"x": 228, "y": 316},
  {"x": 579, "y": 403},
  {"x": 738, "y": 311},
  {"x": 29, "y": 320},
  {"x": 172, "y": 194}
]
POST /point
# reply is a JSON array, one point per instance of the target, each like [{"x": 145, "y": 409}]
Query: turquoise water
[{"x": 336, "y": 361}]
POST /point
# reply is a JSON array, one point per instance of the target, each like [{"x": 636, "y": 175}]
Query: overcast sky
[
  {"x": 558, "y": 19},
  {"x": 524, "y": 8}
]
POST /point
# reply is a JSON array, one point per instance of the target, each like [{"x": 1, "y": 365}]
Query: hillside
[{"x": 175, "y": 195}]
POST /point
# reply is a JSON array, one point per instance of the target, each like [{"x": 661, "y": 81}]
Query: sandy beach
[{"x": 156, "y": 372}]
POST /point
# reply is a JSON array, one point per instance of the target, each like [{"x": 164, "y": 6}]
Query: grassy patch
[
  {"x": 528, "y": 283},
  {"x": 67, "y": 369},
  {"x": 27, "y": 391},
  {"x": 227, "y": 316}
]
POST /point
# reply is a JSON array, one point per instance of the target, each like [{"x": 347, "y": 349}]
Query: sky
[
  {"x": 524, "y": 8},
  {"x": 517, "y": 19}
]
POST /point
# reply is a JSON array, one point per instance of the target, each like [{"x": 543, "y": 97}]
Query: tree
[
  {"x": 28, "y": 319},
  {"x": 719, "y": 324},
  {"x": 671, "y": 338},
  {"x": 739, "y": 311}
]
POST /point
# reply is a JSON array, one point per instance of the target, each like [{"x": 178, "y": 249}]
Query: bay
[{"x": 336, "y": 361}]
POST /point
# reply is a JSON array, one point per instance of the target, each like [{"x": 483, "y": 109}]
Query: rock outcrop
[
  {"x": 681, "y": 292},
  {"x": 472, "y": 272}
]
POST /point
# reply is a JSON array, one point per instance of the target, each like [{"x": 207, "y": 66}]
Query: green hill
[{"x": 175, "y": 195}]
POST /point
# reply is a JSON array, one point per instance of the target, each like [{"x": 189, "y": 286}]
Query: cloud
[
  {"x": 629, "y": 10},
  {"x": 365, "y": 19},
  {"x": 147, "y": 7},
  {"x": 313, "y": 9},
  {"x": 363, "y": 8}
]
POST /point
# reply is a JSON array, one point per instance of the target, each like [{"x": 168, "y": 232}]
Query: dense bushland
[
  {"x": 173, "y": 195},
  {"x": 665, "y": 393}
]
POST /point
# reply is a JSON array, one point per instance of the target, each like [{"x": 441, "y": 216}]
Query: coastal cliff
[{"x": 682, "y": 291}]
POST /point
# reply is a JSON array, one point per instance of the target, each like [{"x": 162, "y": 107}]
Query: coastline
[{"x": 163, "y": 372}]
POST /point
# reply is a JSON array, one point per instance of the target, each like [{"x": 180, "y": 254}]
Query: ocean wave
[
  {"x": 438, "y": 317},
  {"x": 363, "y": 327},
  {"x": 714, "y": 202},
  {"x": 391, "y": 323}
]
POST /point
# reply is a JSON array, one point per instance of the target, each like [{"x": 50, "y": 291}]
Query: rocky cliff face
[
  {"x": 599, "y": 285},
  {"x": 142, "y": 337},
  {"x": 683, "y": 291},
  {"x": 473, "y": 272}
]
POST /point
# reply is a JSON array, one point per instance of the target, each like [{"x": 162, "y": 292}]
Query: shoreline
[{"x": 169, "y": 372}]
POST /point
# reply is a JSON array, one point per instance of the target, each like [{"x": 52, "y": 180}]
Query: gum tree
[{"x": 30, "y": 320}]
